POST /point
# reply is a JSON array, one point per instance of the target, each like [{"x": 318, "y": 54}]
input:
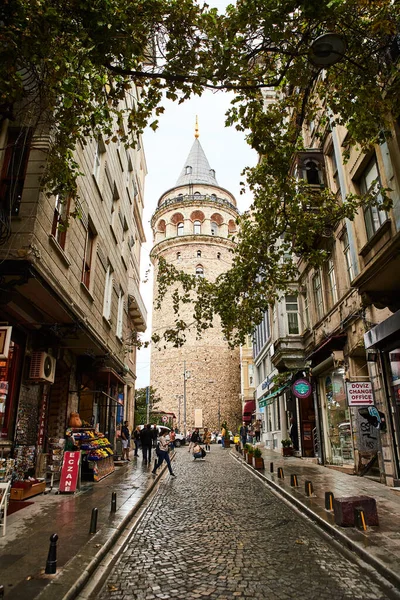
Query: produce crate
[{"x": 22, "y": 493}]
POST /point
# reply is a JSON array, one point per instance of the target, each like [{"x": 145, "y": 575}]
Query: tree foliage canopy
[{"x": 67, "y": 66}]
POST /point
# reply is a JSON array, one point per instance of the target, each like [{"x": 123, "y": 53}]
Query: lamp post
[
  {"x": 327, "y": 49},
  {"x": 186, "y": 375}
]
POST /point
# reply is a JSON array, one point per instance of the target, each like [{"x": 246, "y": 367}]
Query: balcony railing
[{"x": 199, "y": 197}]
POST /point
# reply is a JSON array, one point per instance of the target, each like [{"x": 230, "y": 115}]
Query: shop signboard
[
  {"x": 70, "y": 472},
  {"x": 359, "y": 393},
  {"x": 301, "y": 388},
  {"x": 5, "y": 338}
]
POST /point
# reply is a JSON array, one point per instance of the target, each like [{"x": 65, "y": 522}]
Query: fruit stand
[{"x": 96, "y": 451}]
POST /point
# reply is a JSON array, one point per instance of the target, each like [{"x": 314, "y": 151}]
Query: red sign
[
  {"x": 42, "y": 415},
  {"x": 69, "y": 472}
]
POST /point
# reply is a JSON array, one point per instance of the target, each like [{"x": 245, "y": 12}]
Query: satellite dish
[{"x": 327, "y": 49}]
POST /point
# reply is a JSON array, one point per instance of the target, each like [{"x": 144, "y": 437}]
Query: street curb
[
  {"x": 50, "y": 591},
  {"x": 382, "y": 569}
]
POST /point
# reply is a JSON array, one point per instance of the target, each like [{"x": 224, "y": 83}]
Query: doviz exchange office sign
[{"x": 359, "y": 393}]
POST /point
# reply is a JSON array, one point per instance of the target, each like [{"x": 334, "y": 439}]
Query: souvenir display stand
[
  {"x": 24, "y": 487},
  {"x": 55, "y": 459},
  {"x": 96, "y": 451},
  {"x": 7, "y": 466}
]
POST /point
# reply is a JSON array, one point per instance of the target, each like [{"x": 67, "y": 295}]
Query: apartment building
[{"x": 70, "y": 303}]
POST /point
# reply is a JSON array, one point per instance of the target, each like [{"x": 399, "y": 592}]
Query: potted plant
[
  {"x": 250, "y": 454},
  {"x": 258, "y": 461},
  {"x": 245, "y": 451},
  {"x": 287, "y": 448}
]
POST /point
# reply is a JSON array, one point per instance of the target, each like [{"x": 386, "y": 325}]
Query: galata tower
[{"x": 192, "y": 228}]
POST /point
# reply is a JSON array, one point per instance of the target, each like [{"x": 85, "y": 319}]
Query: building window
[
  {"x": 108, "y": 293},
  {"x": 370, "y": 184},
  {"x": 292, "y": 311},
  {"x": 318, "y": 300},
  {"x": 214, "y": 228},
  {"x": 306, "y": 309},
  {"x": 178, "y": 256},
  {"x": 88, "y": 260},
  {"x": 60, "y": 220},
  {"x": 15, "y": 163},
  {"x": 188, "y": 170},
  {"x": 347, "y": 256},
  {"x": 251, "y": 375},
  {"x": 98, "y": 160},
  {"x": 335, "y": 173},
  {"x": 212, "y": 172},
  {"x": 120, "y": 318},
  {"x": 198, "y": 253},
  {"x": 199, "y": 271},
  {"x": 180, "y": 228},
  {"x": 196, "y": 227},
  {"x": 219, "y": 255},
  {"x": 332, "y": 282}
]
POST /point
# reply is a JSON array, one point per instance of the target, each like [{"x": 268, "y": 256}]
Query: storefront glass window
[
  {"x": 394, "y": 358},
  {"x": 340, "y": 446}
]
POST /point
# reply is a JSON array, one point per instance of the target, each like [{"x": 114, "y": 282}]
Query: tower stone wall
[{"x": 192, "y": 228}]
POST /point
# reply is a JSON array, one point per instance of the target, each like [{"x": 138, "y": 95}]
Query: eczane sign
[{"x": 359, "y": 393}]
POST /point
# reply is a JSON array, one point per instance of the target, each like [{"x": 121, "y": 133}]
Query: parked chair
[{"x": 4, "y": 497}]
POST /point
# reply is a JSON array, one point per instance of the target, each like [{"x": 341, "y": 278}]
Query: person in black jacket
[
  {"x": 136, "y": 440},
  {"x": 194, "y": 439},
  {"x": 146, "y": 438},
  {"x": 154, "y": 433}
]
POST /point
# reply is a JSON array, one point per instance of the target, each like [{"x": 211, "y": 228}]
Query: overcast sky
[{"x": 166, "y": 151}]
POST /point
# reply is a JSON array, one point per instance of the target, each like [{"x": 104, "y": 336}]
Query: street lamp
[{"x": 327, "y": 49}]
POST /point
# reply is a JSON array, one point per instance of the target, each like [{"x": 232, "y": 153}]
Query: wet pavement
[{"x": 218, "y": 531}]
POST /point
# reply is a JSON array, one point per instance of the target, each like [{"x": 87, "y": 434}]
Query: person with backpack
[{"x": 162, "y": 453}]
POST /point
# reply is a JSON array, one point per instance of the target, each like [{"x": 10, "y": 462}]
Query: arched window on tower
[
  {"x": 214, "y": 228},
  {"x": 188, "y": 170},
  {"x": 180, "y": 228},
  {"x": 199, "y": 271},
  {"x": 198, "y": 253},
  {"x": 196, "y": 227},
  {"x": 219, "y": 255},
  {"x": 178, "y": 257}
]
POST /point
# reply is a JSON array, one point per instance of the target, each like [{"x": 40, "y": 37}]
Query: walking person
[
  {"x": 243, "y": 434},
  {"x": 257, "y": 430},
  {"x": 146, "y": 439},
  {"x": 207, "y": 439},
  {"x": 136, "y": 440},
  {"x": 154, "y": 432},
  {"x": 223, "y": 433},
  {"x": 163, "y": 454},
  {"x": 172, "y": 437},
  {"x": 126, "y": 440},
  {"x": 194, "y": 438}
]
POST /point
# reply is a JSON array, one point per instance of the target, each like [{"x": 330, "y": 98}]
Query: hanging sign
[
  {"x": 70, "y": 472},
  {"x": 301, "y": 388},
  {"x": 359, "y": 393}
]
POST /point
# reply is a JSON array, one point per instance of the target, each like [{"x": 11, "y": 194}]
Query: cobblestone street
[{"x": 216, "y": 532}]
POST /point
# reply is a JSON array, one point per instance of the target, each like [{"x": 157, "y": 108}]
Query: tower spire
[{"x": 196, "y": 129}]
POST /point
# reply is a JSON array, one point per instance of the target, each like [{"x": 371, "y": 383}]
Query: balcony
[
  {"x": 136, "y": 308},
  {"x": 189, "y": 198}
]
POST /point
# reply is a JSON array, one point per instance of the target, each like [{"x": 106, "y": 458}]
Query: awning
[
  {"x": 248, "y": 409},
  {"x": 267, "y": 400},
  {"x": 333, "y": 342}
]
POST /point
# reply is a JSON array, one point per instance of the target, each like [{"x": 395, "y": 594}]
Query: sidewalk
[
  {"x": 24, "y": 549},
  {"x": 379, "y": 546}
]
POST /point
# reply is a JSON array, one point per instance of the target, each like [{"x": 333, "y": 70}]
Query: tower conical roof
[{"x": 196, "y": 168}]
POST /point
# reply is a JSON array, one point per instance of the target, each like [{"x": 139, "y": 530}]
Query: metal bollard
[
  {"x": 293, "y": 481},
  {"x": 51, "y": 563},
  {"x": 359, "y": 519},
  {"x": 114, "y": 502},
  {"x": 93, "y": 521},
  {"x": 329, "y": 497},
  {"x": 309, "y": 488},
  {"x": 280, "y": 473},
  {"x": 271, "y": 467}
]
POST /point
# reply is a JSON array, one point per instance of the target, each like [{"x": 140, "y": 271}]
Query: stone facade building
[
  {"x": 69, "y": 294},
  {"x": 192, "y": 225}
]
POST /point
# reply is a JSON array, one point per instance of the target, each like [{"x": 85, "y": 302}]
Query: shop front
[{"x": 383, "y": 353}]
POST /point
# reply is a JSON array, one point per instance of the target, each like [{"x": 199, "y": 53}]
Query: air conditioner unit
[{"x": 43, "y": 367}]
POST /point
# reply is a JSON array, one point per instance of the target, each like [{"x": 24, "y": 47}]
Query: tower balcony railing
[{"x": 198, "y": 197}]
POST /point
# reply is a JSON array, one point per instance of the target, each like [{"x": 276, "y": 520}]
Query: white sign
[
  {"x": 359, "y": 393},
  {"x": 198, "y": 417},
  {"x": 164, "y": 419}
]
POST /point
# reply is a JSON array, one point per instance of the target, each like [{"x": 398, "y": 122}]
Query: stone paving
[{"x": 217, "y": 532}]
